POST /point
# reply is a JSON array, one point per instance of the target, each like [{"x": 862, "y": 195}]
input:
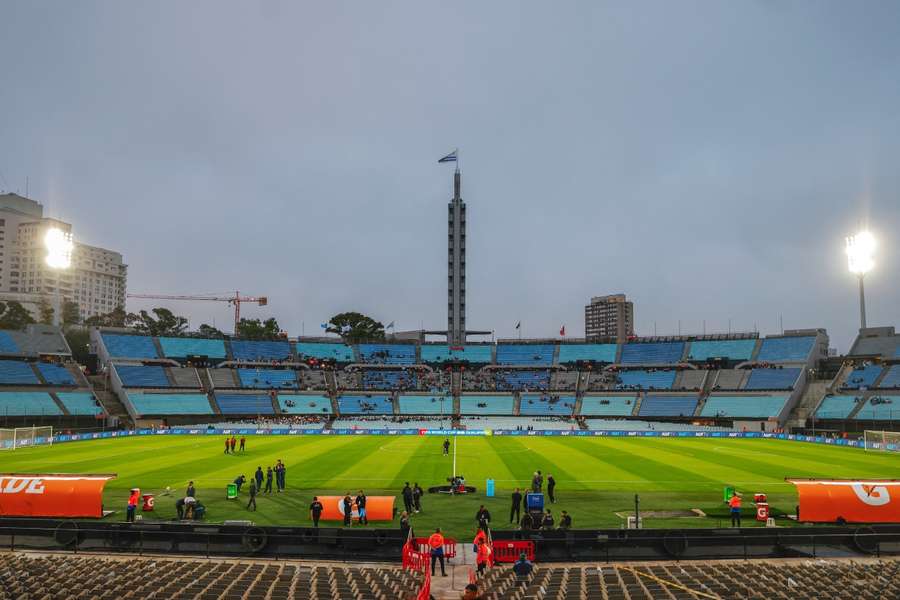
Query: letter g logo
[{"x": 873, "y": 495}]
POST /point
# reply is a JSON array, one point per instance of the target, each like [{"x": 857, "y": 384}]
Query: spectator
[
  {"x": 190, "y": 490},
  {"x": 436, "y": 543},
  {"x": 471, "y": 593},
  {"x": 735, "y": 503},
  {"x": 268, "y": 480},
  {"x": 551, "y": 486},
  {"x": 547, "y": 523},
  {"x": 315, "y": 511},
  {"x": 239, "y": 481},
  {"x": 523, "y": 568},
  {"x": 361, "y": 508},
  {"x": 407, "y": 494},
  {"x": 132, "y": 504},
  {"x": 483, "y": 517},
  {"x": 348, "y": 510},
  {"x": 483, "y": 556},
  {"x": 565, "y": 521},
  {"x": 515, "y": 510},
  {"x": 259, "y": 479},
  {"x": 252, "y": 491},
  {"x": 405, "y": 526},
  {"x": 418, "y": 492},
  {"x": 527, "y": 522}
]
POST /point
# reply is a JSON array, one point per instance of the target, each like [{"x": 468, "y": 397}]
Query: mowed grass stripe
[
  {"x": 512, "y": 463},
  {"x": 582, "y": 464}
]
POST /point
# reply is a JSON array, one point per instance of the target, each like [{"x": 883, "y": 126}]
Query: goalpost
[
  {"x": 23, "y": 437},
  {"x": 885, "y": 441}
]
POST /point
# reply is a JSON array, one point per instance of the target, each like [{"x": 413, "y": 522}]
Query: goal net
[
  {"x": 885, "y": 441},
  {"x": 23, "y": 437}
]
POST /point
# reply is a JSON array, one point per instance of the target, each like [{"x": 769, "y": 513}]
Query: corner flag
[{"x": 449, "y": 158}]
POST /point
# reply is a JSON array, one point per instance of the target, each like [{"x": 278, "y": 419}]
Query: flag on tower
[
  {"x": 562, "y": 331},
  {"x": 449, "y": 158},
  {"x": 519, "y": 325},
  {"x": 390, "y": 325}
]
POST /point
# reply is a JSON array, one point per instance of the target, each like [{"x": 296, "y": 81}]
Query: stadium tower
[{"x": 456, "y": 264}]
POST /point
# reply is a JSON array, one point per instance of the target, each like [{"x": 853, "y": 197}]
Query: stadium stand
[
  {"x": 738, "y": 350},
  {"x": 478, "y": 381},
  {"x": 184, "y": 377},
  {"x": 245, "y": 404},
  {"x": 340, "y": 353},
  {"x": 389, "y": 380},
  {"x": 757, "y": 407},
  {"x": 607, "y": 405},
  {"x": 518, "y": 423},
  {"x": 785, "y": 349},
  {"x": 28, "y": 404},
  {"x": 525, "y": 354},
  {"x": 772, "y": 379},
  {"x": 486, "y": 405},
  {"x": 260, "y": 350},
  {"x": 365, "y": 405},
  {"x": 348, "y": 380},
  {"x": 891, "y": 380},
  {"x": 547, "y": 405},
  {"x": 80, "y": 403},
  {"x": 837, "y": 407},
  {"x": 17, "y": 372},
  {"x": 141, "y": 376},
  {"x": 438, "y": 353},
  {"x": 564, "y": 381},
  {"x": 392, "y": 423},
  {"x": 729, "y": 379},
  {"x": 129, "y": 346},
  {"x": 35, "y": 340},
  {"x": 645, "y": 380},
  {"x": 311, "y": 379},
  {"x": 652, "y": 353},
  {"x": 224, "y": 378},
  {"x": 298, "y": 404},
  {"x": 282, "y": 379},
  {"x": 862, "y": 377},
  {"x": 668, "y": 406},
  {"x": 880, "y": 408},
  {"x": 514, "y": 380},
  {"x": 425, "y": 405},
  {"x": 8, "y": 344},
  {"x": 689, "y": 379},
  {"x": 179, "y": 347},
  {"x": 633, "y": 425},
  {"x": 55, "y": 374},
  {"x": 877, "y": 341},
  {"x": 388, "y": 354},
  {"x": 169, "y": 404},
  {"x": 597, "y": 353}
]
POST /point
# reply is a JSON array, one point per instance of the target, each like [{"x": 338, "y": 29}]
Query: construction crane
[{"x": 234, "y": 300}]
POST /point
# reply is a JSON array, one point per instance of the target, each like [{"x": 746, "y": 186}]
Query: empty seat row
[
  {"x": 486, "y": 405},
  {"x": 547, "y": 405},
  {"x": 667, "y": 406},
  {"x": 368, "y": 404},
  {"x": 438, "y": 353},
  {"x": 758, "y": 407}
]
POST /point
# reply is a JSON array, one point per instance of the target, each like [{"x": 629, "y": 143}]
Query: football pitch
[{"x": 596, "y": 477}]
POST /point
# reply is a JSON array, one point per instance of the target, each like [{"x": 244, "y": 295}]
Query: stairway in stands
[
  {"x": 108, "y": 399},
  {"x": 813, "y": 394},
  {"x": 207, "y": 386}
]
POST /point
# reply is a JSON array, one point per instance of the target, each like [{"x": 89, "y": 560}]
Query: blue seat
[
  {"x": 426, "y": 405},
  {"x": 646, "y": 380},
  {"x": 304, "y": 405},
  {"x": 245, "y": 404},
  {"x": 525, "y": 354},
  {"x": 129, "y": 346},
  {"x": 55, "y": 374},
  {"x": 523, "y": 380},
  {"x": 170, "y": 404},
  {"x": 668, "y": 406},
  {"x": 389, "y": 380},
  {"x": 174, "y": 347},
  {"x": 599, "y": 353},
  {"x": 341, "y": 353},
  {"x": 786, "y": 349},
  {"x": 438, "y": 353},
  {"x": 32, "y": 404},
  {"x": 140, "y": 376},
  {"x": 862, "y": 377},
  {"x": 266, "y": 379},
  {"x": 755, "y": 407},
  {"x": 486, "y": 405},
  {"x": 253, "y": 350},
  {"x": 772, "y": 379},
  {"x": 388, "y": 354},
  {"x": 730, "y": 349},
  {"x": 7, "y": 344},
  {"x": 17, "y": 372},
  {"x": 621, "y": 406},
  {"x": 80, "y": 403},
  {"x": 880, "y": 408},
  {"x": 892, "y": 379},
  {"x": 547, "y": 405},
  {"x": 365, "y": 405},
  {"x": 837, "y": 407},
  {"x": 652, "y": 353}
]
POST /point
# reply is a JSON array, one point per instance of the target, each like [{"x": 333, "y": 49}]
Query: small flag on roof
[{"x": 450, "y": 157}]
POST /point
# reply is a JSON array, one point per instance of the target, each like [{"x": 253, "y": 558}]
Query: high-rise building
[
  {"x": 609, "y": 317},
  {"x": 96, "y": 280},
  {"x": 456, "y": 266}
]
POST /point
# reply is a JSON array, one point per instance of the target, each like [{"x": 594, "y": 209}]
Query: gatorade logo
[
  {"x": 150, "y": 502},
  {"x": 873, "y": 495},
  {"x": 15, "y": 485}
]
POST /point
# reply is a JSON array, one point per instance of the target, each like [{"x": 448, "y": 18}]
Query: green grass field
[{"x": 596, "y": 477}]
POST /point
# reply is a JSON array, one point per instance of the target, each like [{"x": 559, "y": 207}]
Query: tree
[
  {"x": 45, "y": 311},
  {"x": 71, "y": 313},
  {"x": 14, "y": 316},
  {"x": 165, "y": 323},
  {"x": 115, "y": 318},
  {"x": 254, "y": 329},
  {"x": 354, "y": 327},
  {"x": 209, "y": 331}
]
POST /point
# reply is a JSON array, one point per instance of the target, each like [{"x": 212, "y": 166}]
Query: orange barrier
[
  {"x": 378, "y": 508},
  {"x": 851, "y": 501},
  {"x": 508, "y": 552},
  {"x": 449, "y": 546},
  {"x": 35, "y": 495}
]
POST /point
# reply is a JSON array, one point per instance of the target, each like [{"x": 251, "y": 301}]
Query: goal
[
  {"x": 885, "y": 441},
  {"x": 23, "y": 437}
]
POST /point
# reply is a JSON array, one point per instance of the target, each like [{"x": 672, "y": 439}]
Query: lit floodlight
[
  {"x": 860, "y": 252},
  {"x": 59, "y": 248}
]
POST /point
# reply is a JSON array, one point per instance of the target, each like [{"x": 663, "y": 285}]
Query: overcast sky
[{"x": 705, "y": 158}]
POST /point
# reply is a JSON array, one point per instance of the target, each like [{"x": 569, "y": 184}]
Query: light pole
[
  {"x": 59, "y": 258},
  {"x": 860, "y": 249}
]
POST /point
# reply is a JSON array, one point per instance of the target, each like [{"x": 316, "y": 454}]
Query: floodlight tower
[
  {"x": 59, "y": 258},
  {"x": 860, "y": 249}
]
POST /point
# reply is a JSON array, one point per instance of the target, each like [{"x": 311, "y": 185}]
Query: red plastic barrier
[
  {"x": 449, "y": 546},
  {"x": 508, "y": 552}
]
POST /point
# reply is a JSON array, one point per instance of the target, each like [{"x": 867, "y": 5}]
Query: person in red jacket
[
  {"x": 483, "y": 556},
  {"x": 132, "y": 504},
  {"x": 436, "y": 543},
  {"x": 735, "y": 504}
]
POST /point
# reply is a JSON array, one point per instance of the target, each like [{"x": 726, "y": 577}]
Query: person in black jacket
[
  {"x": 515, "y": 512},
  {"x": 361, "y": 508},
  {"x": 483, "y": 517},
  {"x": 259, "y": 478},
  {"x": 404, "y": 525},
  {"x": 407, "y": 494},
  {"x": 348, "y": 510},
  {"x": 565, "y": 520},
  {"x": 315, "y": 510},
  {"x": 269, "y": 475},
  {"x": 551, "y": 486},
  {"x": 418, "y": 492},
  {"x": 190, "y": 490},
  {"x": 252, "y": 501}
]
